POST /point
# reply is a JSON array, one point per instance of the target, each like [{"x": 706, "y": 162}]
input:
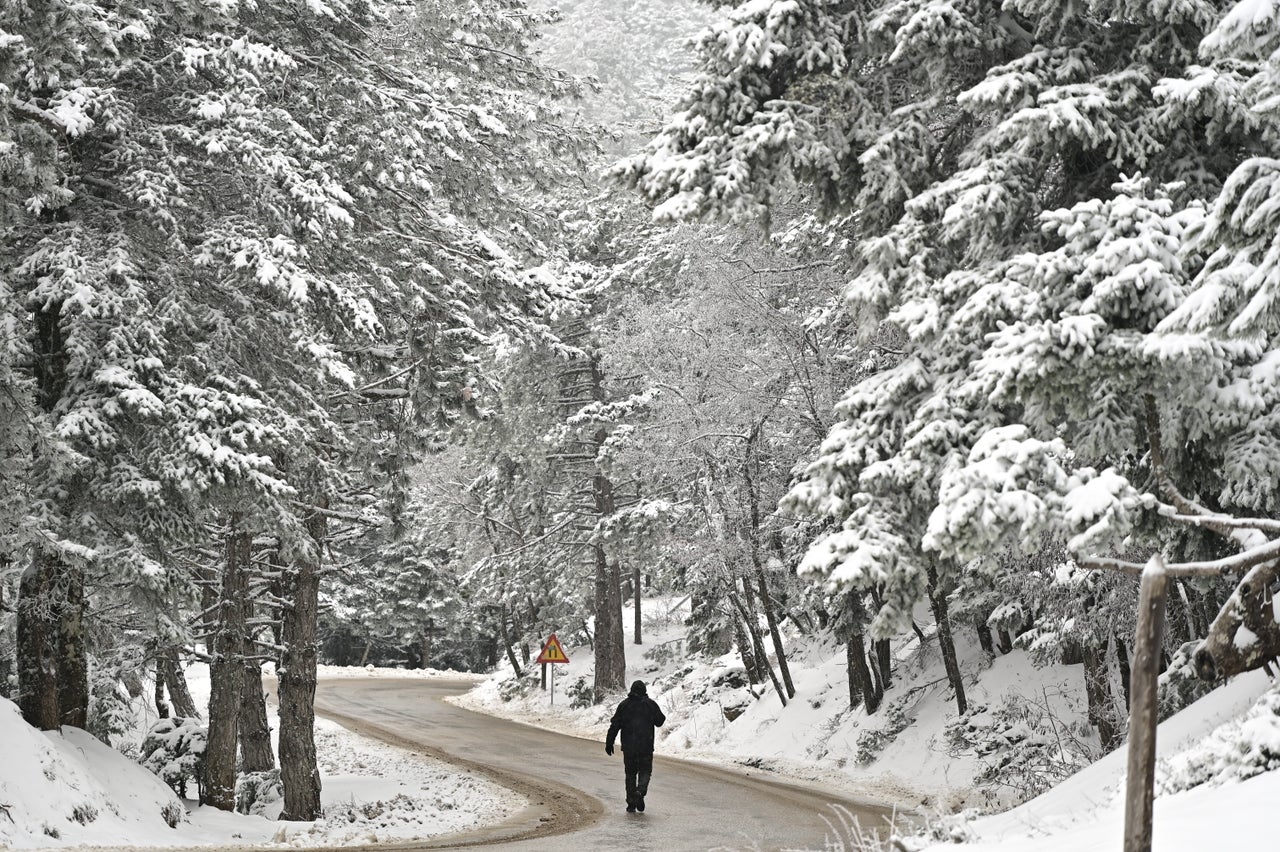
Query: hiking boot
[
  {"x": 632, "y": 809},
  {"x": 640, "y": 806}
]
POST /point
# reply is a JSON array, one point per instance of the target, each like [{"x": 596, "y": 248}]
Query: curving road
[{"x": 575, "y": 791}]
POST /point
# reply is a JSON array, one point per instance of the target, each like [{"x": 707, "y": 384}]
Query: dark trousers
[{"x": 639, "y": 767}]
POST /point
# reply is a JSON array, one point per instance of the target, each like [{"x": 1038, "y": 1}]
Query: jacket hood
[{"x": 638, "y": 688}]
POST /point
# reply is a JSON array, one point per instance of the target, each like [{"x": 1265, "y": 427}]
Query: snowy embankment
[
  {"x": 68, "y": 789},
  {"x": 1025, "y": 730},
  {"x": 1214, "y": 785}
]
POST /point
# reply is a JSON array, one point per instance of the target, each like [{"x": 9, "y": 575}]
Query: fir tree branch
[
  {"x": 1172, "y": 513},
  {"x": 1184, "y": 504},
  {"x": 1250, "y": 560},
  {"x": 30, "y": 110}
]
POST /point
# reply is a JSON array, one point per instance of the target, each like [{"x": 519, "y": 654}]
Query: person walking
[{"x": 636, "y": 718}]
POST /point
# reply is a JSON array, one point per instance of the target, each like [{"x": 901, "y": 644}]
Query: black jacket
[{"x": 635, "y": 718}]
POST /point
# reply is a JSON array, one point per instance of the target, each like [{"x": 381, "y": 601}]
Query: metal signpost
[{"x": 553, "y": 652}]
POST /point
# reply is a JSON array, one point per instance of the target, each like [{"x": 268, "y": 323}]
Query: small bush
[
  {"x": 581, "y": 694},
  {"x": 872, "y": 741},
  {"x": 84, "y": 814},
  {"x": 734, "y": 677},
  {"x": 174, "y": 750},
  {"x": 666, "y": 652},
  {"x": 173, "y": 813},
  {"x": 1025, "y": 748},
  {"x": 256, "y": 790},
  {"x": 520, "y": 686},
  {"x": 1237, "y": 750}
]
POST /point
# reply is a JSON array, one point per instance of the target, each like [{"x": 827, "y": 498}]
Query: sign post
[{"x": 553, "y": 652}]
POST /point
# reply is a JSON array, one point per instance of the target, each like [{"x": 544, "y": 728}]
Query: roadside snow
[
  {"x": 68, "y": 789},
  {"x": 1087, "y": 810}
]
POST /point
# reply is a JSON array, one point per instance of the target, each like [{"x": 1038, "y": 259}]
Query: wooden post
[{"x": 1140, "y": 784}]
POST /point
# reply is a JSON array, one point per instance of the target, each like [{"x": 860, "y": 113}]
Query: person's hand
[{"x": 608, "y": 749}]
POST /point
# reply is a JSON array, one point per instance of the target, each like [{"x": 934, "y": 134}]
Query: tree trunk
[
  {"x": 610, "y": 656},
  {"x": 753, "y": 536},
  {"x": 856, "y": 690},
  {"x": 39, "y": 608},
  {"x": 635, "y": 584},
  {"x": 37, "y": 645},
  {"x": 226, "y": 676},
  {"x": 1005, "y": 640},
  {"x": 771, "y": 619},
  {"x": 255, "y": 731},
  {"x": 747, "y": 611},
  {"x": 1122, "y": 660},
  {"x": 1099, "y": 697},
  {"x": 938, "y": 603},
  {"x": 986, "y": 640},
  {"x": 162, "y": 706},
  {"x": 171, "y": 665},
  {"x": 745, "y": 651},
  {"x": 299, "y": 774},
  {"x": 884, "y": 662},
  {"x": 861, "y": 684},
  {"x": 506, "y": 643},
  {"x": 877, "y": 683},
  {"x": 915, "y": 628},
  {"x": 73, "y": 658},
  {"x": 610, "y": 653},
  {"x": 6, "y": 661},
  {"x": 610, "y": 644}
]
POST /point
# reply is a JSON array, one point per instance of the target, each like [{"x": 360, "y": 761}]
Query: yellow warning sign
[{"x": 552, "y": 652}]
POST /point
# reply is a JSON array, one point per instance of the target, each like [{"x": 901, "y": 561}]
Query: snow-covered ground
[
  {"x": 65, "y": 789},
  {"x": 1214, "y": 790}
]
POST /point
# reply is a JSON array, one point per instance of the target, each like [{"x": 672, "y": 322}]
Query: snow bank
[
  {"x": 1197, "y": 749},
  {"x": 68, "y": 788}
]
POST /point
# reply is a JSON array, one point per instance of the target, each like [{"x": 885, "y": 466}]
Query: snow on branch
[
  {"x": 1014, "y": 489},
  {"x": 1245, "y": 538},
  {"x": 1246, "y": 561}
]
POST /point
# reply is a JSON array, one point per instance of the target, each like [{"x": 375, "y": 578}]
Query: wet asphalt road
[{"x": 576, "y": 791}]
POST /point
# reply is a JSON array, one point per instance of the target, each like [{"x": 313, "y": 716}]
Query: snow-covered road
[{"x": 575, "y": 788}]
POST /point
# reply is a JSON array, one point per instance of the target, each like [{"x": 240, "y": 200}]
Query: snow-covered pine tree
[
  {"x": 192, "y": 203},
  {"x": 947, "y": 128}
]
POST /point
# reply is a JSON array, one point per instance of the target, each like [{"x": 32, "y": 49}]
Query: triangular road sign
[{"x": 552, "y": 652}]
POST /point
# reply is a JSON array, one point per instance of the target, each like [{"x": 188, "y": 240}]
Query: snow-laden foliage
[
  {"x": 1062, "y": 215},
  {"x": 174, "y": 749},
  {"x": 1240, "y": 749},
  {"x": 233, "y": 213},
  {"x": 249, "y": 253}
]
